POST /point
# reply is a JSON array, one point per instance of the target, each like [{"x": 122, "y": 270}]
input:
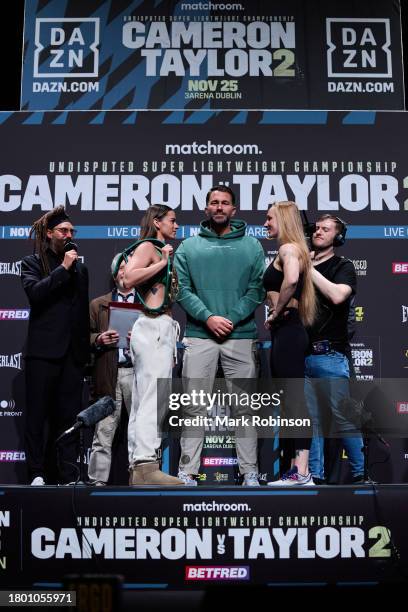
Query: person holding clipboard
[{"x": 113, "y": 368}]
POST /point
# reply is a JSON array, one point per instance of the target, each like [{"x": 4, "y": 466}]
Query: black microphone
[
  {"x": 91, "y": 415},
  {"x": 71, "y": 246}
]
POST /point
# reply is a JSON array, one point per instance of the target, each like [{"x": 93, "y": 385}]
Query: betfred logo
[
  {"x": 13, "y": 314},
  {"x": 217, "y": 461},
  {"x": 400, "y": 267},
  {"x": 12, "y": 456},
  {"x": 217, "y": 572},
  {"x": 402, "y": 407}
]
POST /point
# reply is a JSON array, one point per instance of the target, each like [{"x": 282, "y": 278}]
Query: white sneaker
[
  {"x": 38, "y": 482},
  {"x": 293, "y": 478},
  {"x": 251, "y": 480},
  {"x": 188, "y": 480}
]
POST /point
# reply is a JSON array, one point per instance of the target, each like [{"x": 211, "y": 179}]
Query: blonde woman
[{"x": 292, "y": 306}]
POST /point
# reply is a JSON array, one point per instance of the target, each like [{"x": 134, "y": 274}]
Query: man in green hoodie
[{"x": 220, "y": 285}]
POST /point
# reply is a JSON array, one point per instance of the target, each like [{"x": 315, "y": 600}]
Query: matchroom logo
[
  {"x": 358, "y": 47},
  {"x": 66, "y": 47}
]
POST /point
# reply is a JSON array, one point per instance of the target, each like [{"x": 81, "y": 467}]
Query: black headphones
[{"x": 339, "y": 239}]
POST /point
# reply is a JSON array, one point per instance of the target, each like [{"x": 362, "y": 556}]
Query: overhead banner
[{"x": 119, "y": 54}]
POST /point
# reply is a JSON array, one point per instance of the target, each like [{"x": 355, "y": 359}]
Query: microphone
[
  {"x": 91, "y": 415},
  {"x": 71, "y": 246}
]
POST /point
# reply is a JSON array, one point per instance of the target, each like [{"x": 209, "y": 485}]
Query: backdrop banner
[
  {"x": 182, "y": 54},
  {"x": 107, "y": 167}
]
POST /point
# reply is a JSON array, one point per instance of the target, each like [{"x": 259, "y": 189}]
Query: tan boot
[{"x": 149, "y": 474}]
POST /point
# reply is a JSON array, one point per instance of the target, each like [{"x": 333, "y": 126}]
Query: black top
[
  {"x": 273, "y": 279},
  {"x": 331, "y": 321},
  {"x": 59, "y": 309}
]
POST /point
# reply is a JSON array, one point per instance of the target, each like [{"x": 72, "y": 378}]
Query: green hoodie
[{"x": 220, "y": 275}]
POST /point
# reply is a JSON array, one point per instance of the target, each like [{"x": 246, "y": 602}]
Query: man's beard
[
  {"x": 218, "y": 223},
  {"x": 57, "y": 247}
]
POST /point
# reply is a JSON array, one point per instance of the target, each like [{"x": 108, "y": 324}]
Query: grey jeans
[
  {"x": 238, "y": 360},
  {"x": 101, "y": 453}
]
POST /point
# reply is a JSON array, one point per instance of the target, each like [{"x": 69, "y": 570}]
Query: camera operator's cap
[{"x": 57, "y": 219}]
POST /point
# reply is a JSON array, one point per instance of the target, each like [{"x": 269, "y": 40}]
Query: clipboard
[{"x": 122, "y": 316}]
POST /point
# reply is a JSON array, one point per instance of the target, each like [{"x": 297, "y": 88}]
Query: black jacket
[{"x": 59, "y": 315}]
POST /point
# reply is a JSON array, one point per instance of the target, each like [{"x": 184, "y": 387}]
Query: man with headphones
[{"x": 334, "y": 279}]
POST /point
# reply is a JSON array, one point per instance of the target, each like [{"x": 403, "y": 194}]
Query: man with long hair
[{"x": 57, "y": 347}]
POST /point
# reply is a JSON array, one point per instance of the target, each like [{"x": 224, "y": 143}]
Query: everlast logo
[
  {"x": 11, "y": 361},
  {"x": 13, "y": 267}
]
